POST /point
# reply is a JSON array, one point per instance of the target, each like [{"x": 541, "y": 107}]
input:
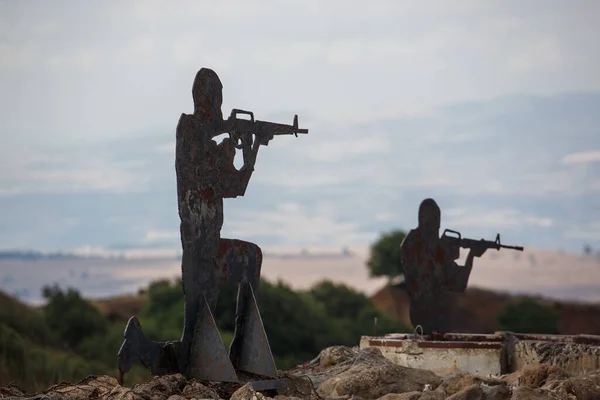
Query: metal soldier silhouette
[
  {"x": 431, "y": 271},
  {"x": 206, "y": 174}
]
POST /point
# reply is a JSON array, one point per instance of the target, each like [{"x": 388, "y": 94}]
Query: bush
[
  {"x": 27, "y": 322},
  {"x": 527, "y": 316},
  {"x": 71, "y": 317}
]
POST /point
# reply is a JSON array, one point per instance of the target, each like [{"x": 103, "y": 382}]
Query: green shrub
[
  {"x": 527, "y": 316},
  {"x": 27, "y": 322},
  {"x": 71, "y": 317}
]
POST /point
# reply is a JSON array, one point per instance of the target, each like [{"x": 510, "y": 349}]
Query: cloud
[
  {"x": 297, "y": 224},
  {"x": 161, "y": 235},
  {"x": 506, "y": 218},
  {"x": 583, "y": 157},
  {"x": 588, "y": 232}
]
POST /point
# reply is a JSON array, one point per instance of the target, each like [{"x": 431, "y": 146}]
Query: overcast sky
[{"x": 492, "y": 108}]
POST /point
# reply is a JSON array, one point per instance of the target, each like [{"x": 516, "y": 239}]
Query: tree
[
  {"x": 71, "y": 317},
  {"x": 527, "y": 316},
  {"x": 384, "y": 258},
  {"x": 352, "y": 312}
]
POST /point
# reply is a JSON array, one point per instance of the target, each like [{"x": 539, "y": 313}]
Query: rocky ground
[{"x": 345, "y": 373}]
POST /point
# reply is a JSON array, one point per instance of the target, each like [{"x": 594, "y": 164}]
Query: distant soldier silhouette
[
  {"x": 205, "y": 176},
  {"x": 431, "y": 272}
]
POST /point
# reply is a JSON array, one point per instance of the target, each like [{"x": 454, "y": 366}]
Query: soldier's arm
[
  {"x": 457, "y": 276},
  {"x": 235, "y": 182}
]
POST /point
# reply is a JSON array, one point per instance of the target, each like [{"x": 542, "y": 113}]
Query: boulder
[
  {"x": 527, "y": 393},
  {"x": 372, "y": 382},
  {"x": 402, "y": 396},
  {"x": 473, "y": 392},
  {"x": 581, "y": 387},
  {"x": 246, "y": 392},
  {"x": 196, "y": 390},
  {"x": 536, "y": 375},
  {"x": 496, "y": 392},
  {"x": 460, "y": 381}
]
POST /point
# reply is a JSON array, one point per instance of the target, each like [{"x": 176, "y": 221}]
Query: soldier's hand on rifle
[
  {"x": 479, "y": 249},
  {"x": 249, "y": 149}
]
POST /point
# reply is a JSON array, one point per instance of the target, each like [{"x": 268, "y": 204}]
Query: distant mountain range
[
  {"x": 304, "y": 253},
  {"x": 39, "y": 255}
]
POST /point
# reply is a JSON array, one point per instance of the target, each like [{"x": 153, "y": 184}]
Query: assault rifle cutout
[
  {"x": 264, "y": 131},
  {"x": 457, "y": 242}
]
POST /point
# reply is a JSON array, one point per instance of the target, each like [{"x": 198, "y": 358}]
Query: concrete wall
[{"x": 484, "y": 355}]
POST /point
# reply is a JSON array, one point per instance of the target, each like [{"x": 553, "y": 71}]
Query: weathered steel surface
[
  {"x": 431, "y": 271},
  {"x": 252, "y": 353},
  {"x": 209, "y": 357},
  {"x": 206, "y": 175},
  {"x": 159, "y": 357}
]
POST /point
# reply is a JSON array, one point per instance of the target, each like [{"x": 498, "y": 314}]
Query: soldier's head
[
  {"x": 207, "y": 92},
  {"x": 429, "y": 217}
]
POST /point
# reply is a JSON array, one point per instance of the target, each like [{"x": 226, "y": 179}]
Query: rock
[
  {"x": 455, "y": 383},
  {"x": 300, "y": 387},
  {"x": 121, "y": 393},
  {"x": 90, "y": 387},
  {"x": 176, "y": 397},
  {"x": 433, "y": 395},
  {"x": 11, "y": 391},
  {"x": 281, "y": 397},
  {"x": 246, "y": 392},
  {"x": 402, "y": 396},
  {"x": 512, "y": 379},
  {"x": 199, "y": 391},
  {"x": 372, "y": 382},
  {"x": 496, "y": 392},
  {"x": 460, "y": 381},
  {"x": 536, "y": 375},
  {"x": 473, "y": 392},
  {"x": 334, "y": 361},
  {"x": 527, "y": 393},
  {"x": 583, "y": 387},
  {"x": 160, "y": 387},
  {"x": 335, "y": 355}
]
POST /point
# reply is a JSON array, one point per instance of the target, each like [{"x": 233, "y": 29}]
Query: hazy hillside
[
  {"x": 552, "y": 274},
  {"x": 477, "y": 310}
]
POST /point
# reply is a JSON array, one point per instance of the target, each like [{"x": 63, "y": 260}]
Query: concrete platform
[{"x": 494, "y": 354}]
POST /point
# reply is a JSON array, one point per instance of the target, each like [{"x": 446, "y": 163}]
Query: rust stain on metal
[
  {"x": 206, "y": 175},
  {"x": 430, "y": 268}
]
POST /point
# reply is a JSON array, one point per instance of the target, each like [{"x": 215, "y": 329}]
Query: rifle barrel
[{"x": 519, "y": 248}]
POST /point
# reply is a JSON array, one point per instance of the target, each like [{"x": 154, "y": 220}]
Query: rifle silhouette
[
  {"x": 263, "y": 130},
  {"x": 457, "y": 242}
]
